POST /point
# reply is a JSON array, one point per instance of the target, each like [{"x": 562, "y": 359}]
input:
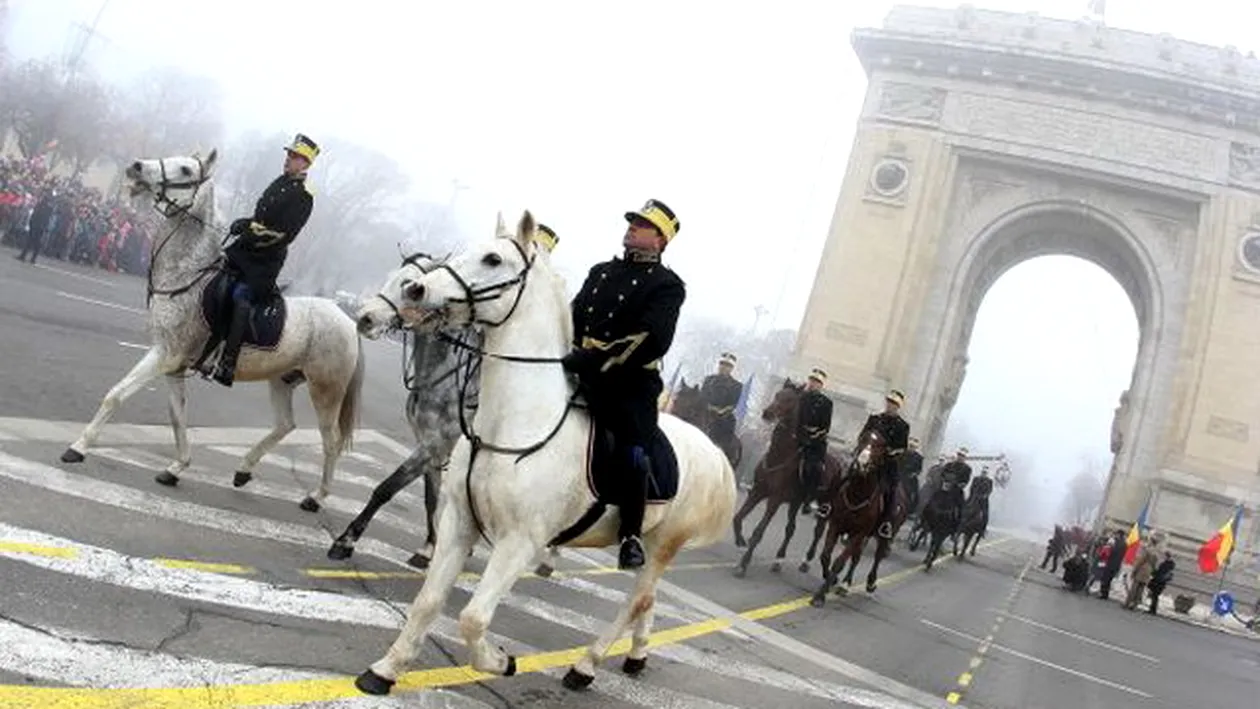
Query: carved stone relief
[
  {"x": 850, "y": 334},
  {"x": 1085, "y": 134},
  {"x": 1244, "y": 165},
  {"x": 888, "y": 181},
  {"x": 1228, "y": 428},
  {"x": 984, "y": 187},
  {"x": 1120, "y": 422},
  {"x": 911, "y": 102}
]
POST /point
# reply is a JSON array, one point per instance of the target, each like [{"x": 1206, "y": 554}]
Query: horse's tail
[{"x": 348, "y": 416}]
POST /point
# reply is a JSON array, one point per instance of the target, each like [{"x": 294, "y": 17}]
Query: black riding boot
[
  {"x": 633, "y": 504},
  {"x": 225, "y": 373},
  {"x": 888, "y": 512},
  {"x": 811, "y": 480}
]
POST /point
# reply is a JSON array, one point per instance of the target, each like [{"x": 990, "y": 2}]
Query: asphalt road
[{"x": 116, "y": 592}]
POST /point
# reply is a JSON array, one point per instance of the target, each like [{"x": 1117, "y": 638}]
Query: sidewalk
[{"x": 1200, "y": 614}]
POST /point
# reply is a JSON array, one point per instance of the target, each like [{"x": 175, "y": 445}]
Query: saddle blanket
[
  {"x": 605, "y": 474},
  {"x": 265, "y": 326}
]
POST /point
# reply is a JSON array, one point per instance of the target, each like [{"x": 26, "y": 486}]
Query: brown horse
[
  {"x": 776, "y": 479},
  {"x": 856, "y": 504},
  {"x": 689, "y": 406}
]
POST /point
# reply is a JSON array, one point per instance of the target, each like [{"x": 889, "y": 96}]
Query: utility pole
[{"x": 89, "y": 33}]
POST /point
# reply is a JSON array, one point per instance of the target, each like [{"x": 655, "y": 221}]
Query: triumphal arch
[{"x": 989, "y": 138}]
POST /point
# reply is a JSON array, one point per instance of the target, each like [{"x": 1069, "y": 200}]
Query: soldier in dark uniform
[
  {"x": 956, "y": 473},
  {"x": 896, "y": 434},
  {"x": 980, "y": 490},
  {"x": 910, "y": 467},
  {"x": 813, "y": 424},
  {"x": 624, "y": 319},
  {"x": 261, "y": 245},
  {"x": 720, "y": 393}
]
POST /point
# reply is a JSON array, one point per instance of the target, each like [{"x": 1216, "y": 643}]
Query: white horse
[
  {"x": 526, "y": 482},
  {"x": 319, "y": 343}
]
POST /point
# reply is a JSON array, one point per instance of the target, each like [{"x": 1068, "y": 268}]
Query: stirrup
[
  {"x": 824, "y": 509},
  {"x": 885, "y": 530}
]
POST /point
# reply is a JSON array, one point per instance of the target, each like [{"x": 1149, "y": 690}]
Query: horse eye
[
  {"x": 492, "y": 260},
  {"x": 186, "y": 170}
]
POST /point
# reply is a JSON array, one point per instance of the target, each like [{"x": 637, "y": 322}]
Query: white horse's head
[
  {"x": 176, "y": 183},
  {"x": 385, "y": 310},
  {"x": 483, "y": 285}
]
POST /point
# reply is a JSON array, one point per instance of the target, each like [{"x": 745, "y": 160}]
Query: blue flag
[{"x": 741, "y": 406}]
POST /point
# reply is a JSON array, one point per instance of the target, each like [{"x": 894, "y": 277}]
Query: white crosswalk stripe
[{"x": 71, "y": 656}]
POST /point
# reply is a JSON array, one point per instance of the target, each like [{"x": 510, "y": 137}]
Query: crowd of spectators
[{"x": 60, "y": 218}]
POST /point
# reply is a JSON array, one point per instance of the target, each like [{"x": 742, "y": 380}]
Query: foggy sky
[{"x": 741, "y": 119}]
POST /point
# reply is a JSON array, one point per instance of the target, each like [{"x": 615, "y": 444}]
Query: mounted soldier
[
  {"x": 624, "y": 318},
  {"x": 910, "y": 466},
  {"x": 981, "y": 489},
  {"x": 896, "y": 434},
  {"x": 720, "y": 393},
  {"x": 813, "y": 424},
  {"x": 260, "y": 246},
  {"x": 956, "y": 474}
]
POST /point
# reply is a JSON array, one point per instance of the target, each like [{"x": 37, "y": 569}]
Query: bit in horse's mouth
[{"x": 416, "y": 316}]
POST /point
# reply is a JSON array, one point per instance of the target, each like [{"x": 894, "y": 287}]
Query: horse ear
[
  {"x": 525, "y": 229},
  {"x": 500, "y": 226},
  {"x": 208, "y": 163}
]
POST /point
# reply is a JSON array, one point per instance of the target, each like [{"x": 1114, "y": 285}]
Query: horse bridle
[
  {"x": 475, "y": 354},
  {"x": 170, "y": 209}
]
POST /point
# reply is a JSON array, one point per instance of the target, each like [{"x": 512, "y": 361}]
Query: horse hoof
[
  {"x": 511, "y": 666},
  {"x": 804, "y": 567},
  {"x": 633, "y": 667},
  {"x": 419, "y": 562},
  {"x": 242, "y": 478},
  {"x": 309, "y": 505},
  {"x": 842, "y": 591},
  {"x": 870, "y": 588},
  {"x": 818, "y": 601},
  {"x": 740, "y": 572},
  {"x": 776, "y": 567},
  {"x": 371, "y": 683},
  {"x": 576, "y": 680},
  {"x": 72, "y": 456},
  {"x": 166, "y": 478},
  {"x": 543, "y": 571},
  {"x": 340, "y": 550},
  {"x": 740, "y": 543}
]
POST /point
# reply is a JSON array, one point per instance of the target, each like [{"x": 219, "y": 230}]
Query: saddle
[
  {"x": 266, "y": 324},
  {"x": 605, "y": 473}
]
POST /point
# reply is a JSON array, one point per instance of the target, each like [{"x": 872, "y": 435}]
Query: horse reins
[
  {"x": 171, "y": 209},
  {"x": 470, "y": 358}
]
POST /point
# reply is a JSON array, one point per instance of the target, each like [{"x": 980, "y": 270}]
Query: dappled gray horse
[
  {"x": 433, "y": 377},
  {"x": 440, "y": 377}
]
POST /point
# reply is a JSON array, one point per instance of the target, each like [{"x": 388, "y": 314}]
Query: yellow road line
[
  {"x": 218, "y": 567},
  {"x": 36, "y": 550},
  {"x": 324, "y": 690},
  {"x": 211, "y": 567}
]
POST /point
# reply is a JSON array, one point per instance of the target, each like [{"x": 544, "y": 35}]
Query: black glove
[
  {"x": 240, "y": 226},
  {"x": 582, "y": 362}
]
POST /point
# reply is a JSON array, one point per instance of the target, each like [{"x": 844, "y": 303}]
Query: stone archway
[
  {"x": 988, "y": 138},
  {"x": 1031, "y": 220}
]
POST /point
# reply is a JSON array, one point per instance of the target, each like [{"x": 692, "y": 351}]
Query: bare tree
[
  {"x": 55, "y": 114},
  {"x": 169, "y": 112},
  {"x": 1085, "y": 493}
]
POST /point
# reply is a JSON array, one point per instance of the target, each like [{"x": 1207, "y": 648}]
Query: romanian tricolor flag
[
  {"x": 1215, "y": 551},
  {"x": 1134, "y": 540}
]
